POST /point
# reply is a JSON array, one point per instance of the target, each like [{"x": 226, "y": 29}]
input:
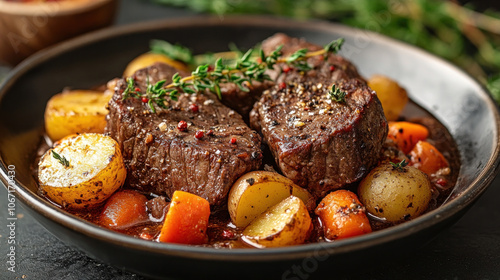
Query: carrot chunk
[
  {"x": 407, "y": 134},
  {"x": 427, "y": 158},
  {"x": 342, "y": 215},
  {"x": 187, "y": 220},
  {"x": 124, "y": 209}
]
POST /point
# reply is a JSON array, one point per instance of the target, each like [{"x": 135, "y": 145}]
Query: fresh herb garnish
[
  {"x": 336, "y": 94},
  {"x": 333, "y": 47},
  {"x": 399, "y": 166},
  {"x": 245, "y": 70},
  {"x": 175, "y": 52},
  {"x": 430, "y": 24},
  {"x": 60, "y": 158}
]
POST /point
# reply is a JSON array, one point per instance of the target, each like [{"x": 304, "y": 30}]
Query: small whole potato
[
  {"x": 148, "y": 59},
  {"x": 392, "y": 96},
  {"x": 394, "y": 193}
]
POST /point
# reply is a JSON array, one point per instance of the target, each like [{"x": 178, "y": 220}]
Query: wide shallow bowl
[
  {"x": 27, "y": 27},
  {"x": 453, "y": 97}
]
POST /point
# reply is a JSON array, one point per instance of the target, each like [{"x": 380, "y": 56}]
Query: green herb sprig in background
[{"x": 457, "y": 33}]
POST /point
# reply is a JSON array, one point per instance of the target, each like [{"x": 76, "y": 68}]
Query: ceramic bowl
[{"x": 452, "y": 96}]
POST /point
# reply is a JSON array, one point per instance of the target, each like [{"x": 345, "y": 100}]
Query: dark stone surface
[{"x": 470, "y": 249}]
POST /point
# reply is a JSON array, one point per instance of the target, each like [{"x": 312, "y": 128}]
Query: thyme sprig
[
  {"x": 60, "y": 158},
  {"x": 399, "y": 166},
  {"x": 246, "y": 70},
  {"x": 336, "y": 94},
  {"x": 430, "y": 24}
]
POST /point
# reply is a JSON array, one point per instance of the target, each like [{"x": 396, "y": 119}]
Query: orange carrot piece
[
  {"x": 407, "y": 134},
  {"x": 427, "y": 158},
  {"x": 187, "y": 220},
  {"x": 124, "y": 209},
  {"x": 342, "y": 215}
]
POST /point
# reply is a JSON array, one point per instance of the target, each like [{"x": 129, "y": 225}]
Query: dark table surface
[{"x": 470, "y": 249}]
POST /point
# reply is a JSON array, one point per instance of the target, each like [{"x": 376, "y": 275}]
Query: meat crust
[
  {"x": 318, "y": 143},
  {"x": 160, "y": 158}
]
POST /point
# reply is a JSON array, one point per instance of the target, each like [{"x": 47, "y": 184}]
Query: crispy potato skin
[
  {"x": 96, "y": 170},
  {"x": 256, "y": 191},
  {"x": 392, "y": 96},
  {"x": 395, "y": 195},
  {"x": 286, "y": 223},
  {"x": 76, "y": 111},
  {"x": 148, "y": 59}
]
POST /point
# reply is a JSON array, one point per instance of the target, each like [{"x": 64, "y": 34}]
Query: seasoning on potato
[
  {"x": 286, "y": 223},
  {"x": 255, "y": 192},
  {"x": 76, "y": 111},
  {"x": 82, "y": 170},
  {"x": 395, "y": 192}
]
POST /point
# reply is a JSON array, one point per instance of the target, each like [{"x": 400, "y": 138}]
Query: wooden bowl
[{"x": 29, "y": 27}]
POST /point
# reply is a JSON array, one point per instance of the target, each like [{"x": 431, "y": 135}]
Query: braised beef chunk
[
  {"x": 157, "y": 207},
  {"x": 242, "y": 101},
  {"x": 204, "y": 158},
  {"x": 317, "y": 142}
]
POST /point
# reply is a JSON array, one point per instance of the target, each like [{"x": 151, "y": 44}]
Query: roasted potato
[
  {"x": 394, "y": 193},
  {"x": 286, "y": 223},
  {"x": 256, "y": 191},
  {"x": 76, "y": 111},
  {"x": 82, "y": 170},
  {"x": 148, "y": 59},
  {"x": 392, "y": 96}
]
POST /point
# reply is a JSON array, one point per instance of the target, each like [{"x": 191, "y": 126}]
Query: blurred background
[{"x": 466, "y": 33}]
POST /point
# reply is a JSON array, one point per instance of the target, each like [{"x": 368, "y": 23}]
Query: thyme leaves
[
  {"x": 242, "y": 73},
  {"x": 64, "y": 161}
]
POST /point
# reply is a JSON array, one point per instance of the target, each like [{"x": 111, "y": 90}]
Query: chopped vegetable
[
  {"x": 124, "y": 209},
  {"x": 342, "y": 215},
  {"x": 95, "y": 170},
  {"x": 427, "y": 158},
  {"x": 286, "y": 223},
  {"x": 407, "y": 134},
  {"x": 186, "y": 220}
]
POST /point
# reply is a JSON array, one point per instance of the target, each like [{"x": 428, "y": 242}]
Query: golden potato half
[
  {"x": 286, "y": 223},
  {"x": 76, "y": 111},
  {"x": 148, "y": 59},
  {"x": 255, "y": 192},
  {"x": 94, "y": 170}
]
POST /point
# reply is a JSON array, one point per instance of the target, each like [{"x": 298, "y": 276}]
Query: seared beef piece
[
  {"x": 318, "y": 143},
  {"x": 160, "y": 158},
  {"x": 242, "y": 101},
  {"x": 157, "y": 207}
]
